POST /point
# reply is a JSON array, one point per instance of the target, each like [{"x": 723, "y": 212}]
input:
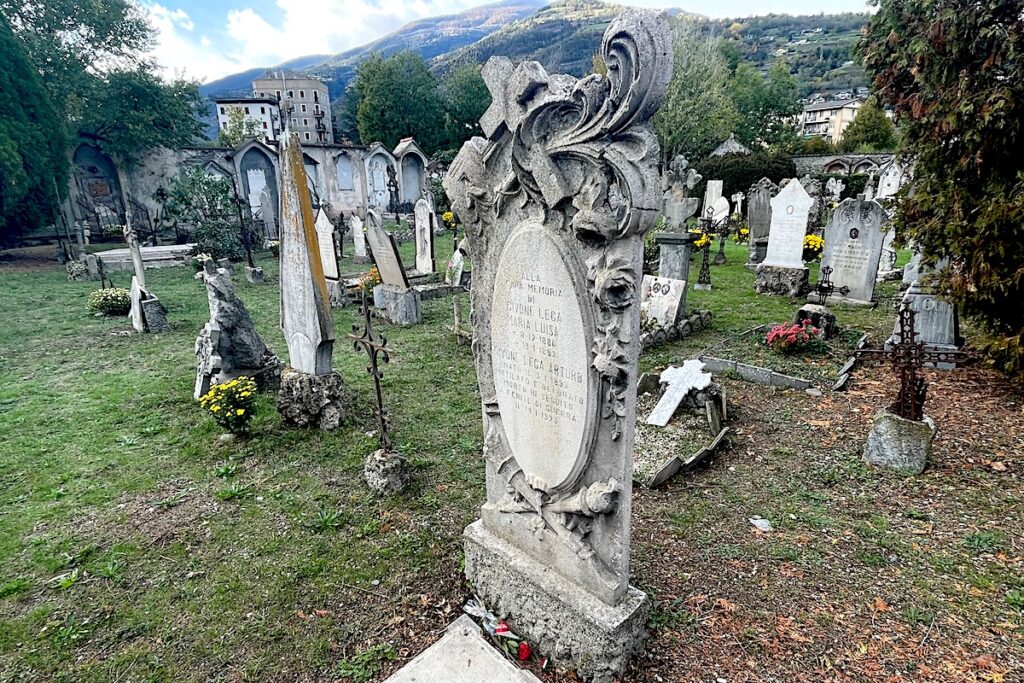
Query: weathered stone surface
[
  {"x": 337, "y": 293},
  {"x": 359, "y": 254},
  {"x": 305, "y": 303},
  {"x": 462, "y": 656},
  {"x": 662, "y": 300},
  {"x": 712, "y": 193},
  {"x": 556, "y": 203},
  {"x": 781, "y": 281},
  {"x": 759, "y": 217},
  {"x": 384, "y": 251},
  {"x": 691, "y": 377},
  {"x": 853, "y": 247},
  {"x": 307, "y": 400},
  {"x": 560, "y": 618},
  {"x": 936, "y": 321},
  {"x": 899, "y": 444},
  {"x": 679, "y": 205},
  {"x": 674, "y": 255},
  {"x": 790, "y": 210},
  {"x": 399, "y": 306},
  {"x": 423, "y": 226},
  {"x": 386, "y": 473},
  {"x": 228, "y": 345},
  {"x": 254, "y": 275},
  {"x": 155, "y": 315},
  {"x": 820, "y": 317},
  {"x": 325, "y": 245}
]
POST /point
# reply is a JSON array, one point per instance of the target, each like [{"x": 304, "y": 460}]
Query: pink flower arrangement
[{"x": 793, "y": 337}]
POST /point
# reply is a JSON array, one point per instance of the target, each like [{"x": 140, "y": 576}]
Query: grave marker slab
[
  {"x": 556, "y": 337},
  {"x": 712, "y": 192},
  {"x": 853, "y": 247},
  {"x": 423, "y": 222},
  {"x": 663, "y": 299},
  {"x": 384, "y": 251},
  {"x": 325, "y": 244},
  {"x": 790, "y": 210},
  {"x": 759, "y": 217},
  {"x": 359, "y": 254}
]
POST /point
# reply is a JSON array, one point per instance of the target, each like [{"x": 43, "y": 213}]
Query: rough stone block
[
  {"x": 155, "y": 315},
  {"x": 780, "y": 281},
  {"x": 336, "y": 293},
  {"x": 400, "y": 306},
  {"x": 820, "y": 317},
  {"x": 565, "y": 622},
  {"x": 307, "y": 400},
  {"x": 255, "y": 275},
  {"x": 899, "y": 444},
  {"x": 386, "y": 473}
]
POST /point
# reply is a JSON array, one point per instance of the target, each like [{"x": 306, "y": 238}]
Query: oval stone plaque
[{"x": 540, "y": 353}]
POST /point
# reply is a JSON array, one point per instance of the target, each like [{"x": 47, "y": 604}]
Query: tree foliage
[
  {"x": 398, "y": 97},
  {"x": 870, "y": 131},
  {"x": 739, "y": 171},
  {"x": 205, "y": 202},
  {"x": 954, "y": 74},
  {"x": 465, "y": 97},
  {"x": 238, "y": 128},
  {"x": 33, "y": 163},
  {"x": 698, "y": 113},
  {"x": 766, "y": 105}
]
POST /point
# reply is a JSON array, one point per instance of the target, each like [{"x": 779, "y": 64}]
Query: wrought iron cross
[
  {"x": 375, "y": 347},
  {"x": 907, "y": 357},
  {"x": 706, "y": 226},
  {"x": 724, "y": 230},
  {"x": 826, "y": 288}
]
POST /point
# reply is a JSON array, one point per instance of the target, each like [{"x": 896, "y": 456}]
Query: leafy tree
[
  {"x": 205, "y": 202},
  {"x": 739, "y": 171},
  {"x": 816, "y": 145},
  {"x": 238, "y": 128},
  {"x": 134, "y": 110},
  {"x": 953, "y": 73},
  {"x": 766, "y": 106},
  {"x": 69, "y": 41},
  {"x": 32, "y": 142},
  {"x": 697, "y": 113},
  {"x": 466, "y": 98},
  {"x": 398, "y": 97},
  {"x": 870, "y": 131}
]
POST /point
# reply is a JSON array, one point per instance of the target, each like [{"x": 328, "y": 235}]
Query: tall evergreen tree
[
  {"x": 33, "y": 163},
  {"x": 465, "y": 97}
]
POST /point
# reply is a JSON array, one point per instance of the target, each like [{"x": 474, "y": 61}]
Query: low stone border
[
  {"x": 674, "y": 465},
  {"x": 755, "y": 374},
  {"x": 696, "y": 322}
]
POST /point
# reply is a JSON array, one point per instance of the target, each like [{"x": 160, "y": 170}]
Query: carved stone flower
[{"x": 614, "y": 282}]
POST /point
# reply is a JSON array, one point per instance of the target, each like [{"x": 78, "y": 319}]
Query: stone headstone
[
  {"x": 359, "y": 254},
  {"x": 268, "y": 210},
  {"x": 556, "y": 332},
  {"x": 453, "y": 271},
  {"x": 759, "y": 217},
  {"x": 835, "y": 187},
  {"x": 853, "y": 247},
  {"x": 712, "y": 191},
  {"x": 305, "y": 303},
  {"x": 737, "y": 203},
  {"x": 325, "y": 244},
  {"x": 385, "y": 252},
  {"x": 891, "y": 179},
  {"x": 936, "y": 321},
  {"x": 662, "y": 299},
  {"x": 814, "y": 189},
  {"x": 678, "y": 383},
  {"x": 424, "y": 220},
  {"x": 674, "y": 254},
  {"x": 720, "y": 210},
  {"x": 679, "y": 205},
  {"x": 229, "y": 345},
  {"x": 790, "y": 210}
]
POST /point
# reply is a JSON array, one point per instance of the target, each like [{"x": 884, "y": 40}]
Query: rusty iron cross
[
  {"x": 907, "y": 357},
  {"x": 375, "y": 348},
  {"x": 706, "y": 226},
  {"x": 826, "y": 288}
]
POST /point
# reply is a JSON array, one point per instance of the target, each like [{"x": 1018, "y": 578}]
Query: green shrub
[
  {"x": 110, "y": 301},
  {"x": 219, "y": 239},
  {"x": 739, "y": 171}
]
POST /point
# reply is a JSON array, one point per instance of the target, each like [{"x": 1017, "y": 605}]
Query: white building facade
[{"x": 264, "y": 111}]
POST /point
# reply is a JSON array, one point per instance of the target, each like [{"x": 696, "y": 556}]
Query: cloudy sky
[{"x": 206, "y": 40}]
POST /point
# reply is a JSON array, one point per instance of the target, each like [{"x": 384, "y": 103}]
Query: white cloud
[{"x": 181, "y": 54}]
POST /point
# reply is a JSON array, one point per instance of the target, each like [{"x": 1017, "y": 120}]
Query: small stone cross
[{"x": 679, "y": 382}]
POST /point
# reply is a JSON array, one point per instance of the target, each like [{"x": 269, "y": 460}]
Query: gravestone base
[
  {"x": 758, "y": 250},
  {"x": 307, "y": 400},
  {"x": 255, "y": 275},
  {"x": 899, "y": 444},
  {"x": 336, "y": 293},
  {"x": 782, "y": 281},
  {"x": 848, "y": 301},
  {"x": 674, "y": 254},
  {"x": 702, "y": 287},
  {"x": 399, "y": 306},
  {"x": 360, "y": 259},
  {"x": 820, "y": 317},
  {"x": 575, "y": 629},
  {"x": 385, "y": 472},
  {"x": 155, "y": 315}
]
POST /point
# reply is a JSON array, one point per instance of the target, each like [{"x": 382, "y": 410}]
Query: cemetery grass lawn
[{"x": 134, "y": 546}]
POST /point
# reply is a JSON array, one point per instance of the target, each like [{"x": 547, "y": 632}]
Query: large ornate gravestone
[
  {"x": 556, "y": 201},
  {"x": 310, "y": 390},
  {"x": 853, "y": 247},
  {"x": 782, "y": 272}
]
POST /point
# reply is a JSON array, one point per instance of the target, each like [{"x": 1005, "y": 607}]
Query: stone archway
[
  {"x": 377, "y": 168},
  {"x": 97, "y": 179},
  {"x": 257, "y": 172}
]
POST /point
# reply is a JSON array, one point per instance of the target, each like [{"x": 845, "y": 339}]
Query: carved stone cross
[{"x": 679, "y": 382}]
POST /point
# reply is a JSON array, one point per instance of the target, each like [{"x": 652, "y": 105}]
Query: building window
[
  {"x": 316, "y": 96},
  {"x": 295, "y": 121},
  {"x": 305, "y": 122},
  {"x": 222, "y": 110},
  {"x": 316, "y": 108},
  {"x": 247, "y": 110},
  {"x": 263, "y": 110},
  {"x": 223, "y": 124},
  {"x": 302, "y": 93},
  {"x": 291, "y": 93},
  {"x": 278, "y": 93},
  {"x": 264, "y": 125},
  {"x": 307, "y": 136},
  {"x": 303, "y": 107}
]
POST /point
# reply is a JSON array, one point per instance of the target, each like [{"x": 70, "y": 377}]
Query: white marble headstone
[
  {"x": 712, "y": 191},
  {"x": 358, "y": 237},
  {"x": 790, "y": 209},
  {"x": 662, "y": 299},
  {"x": 325, "y": 242},
  {"x": 720, "y": 210},
  {"x": 424, "y": 221}
]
